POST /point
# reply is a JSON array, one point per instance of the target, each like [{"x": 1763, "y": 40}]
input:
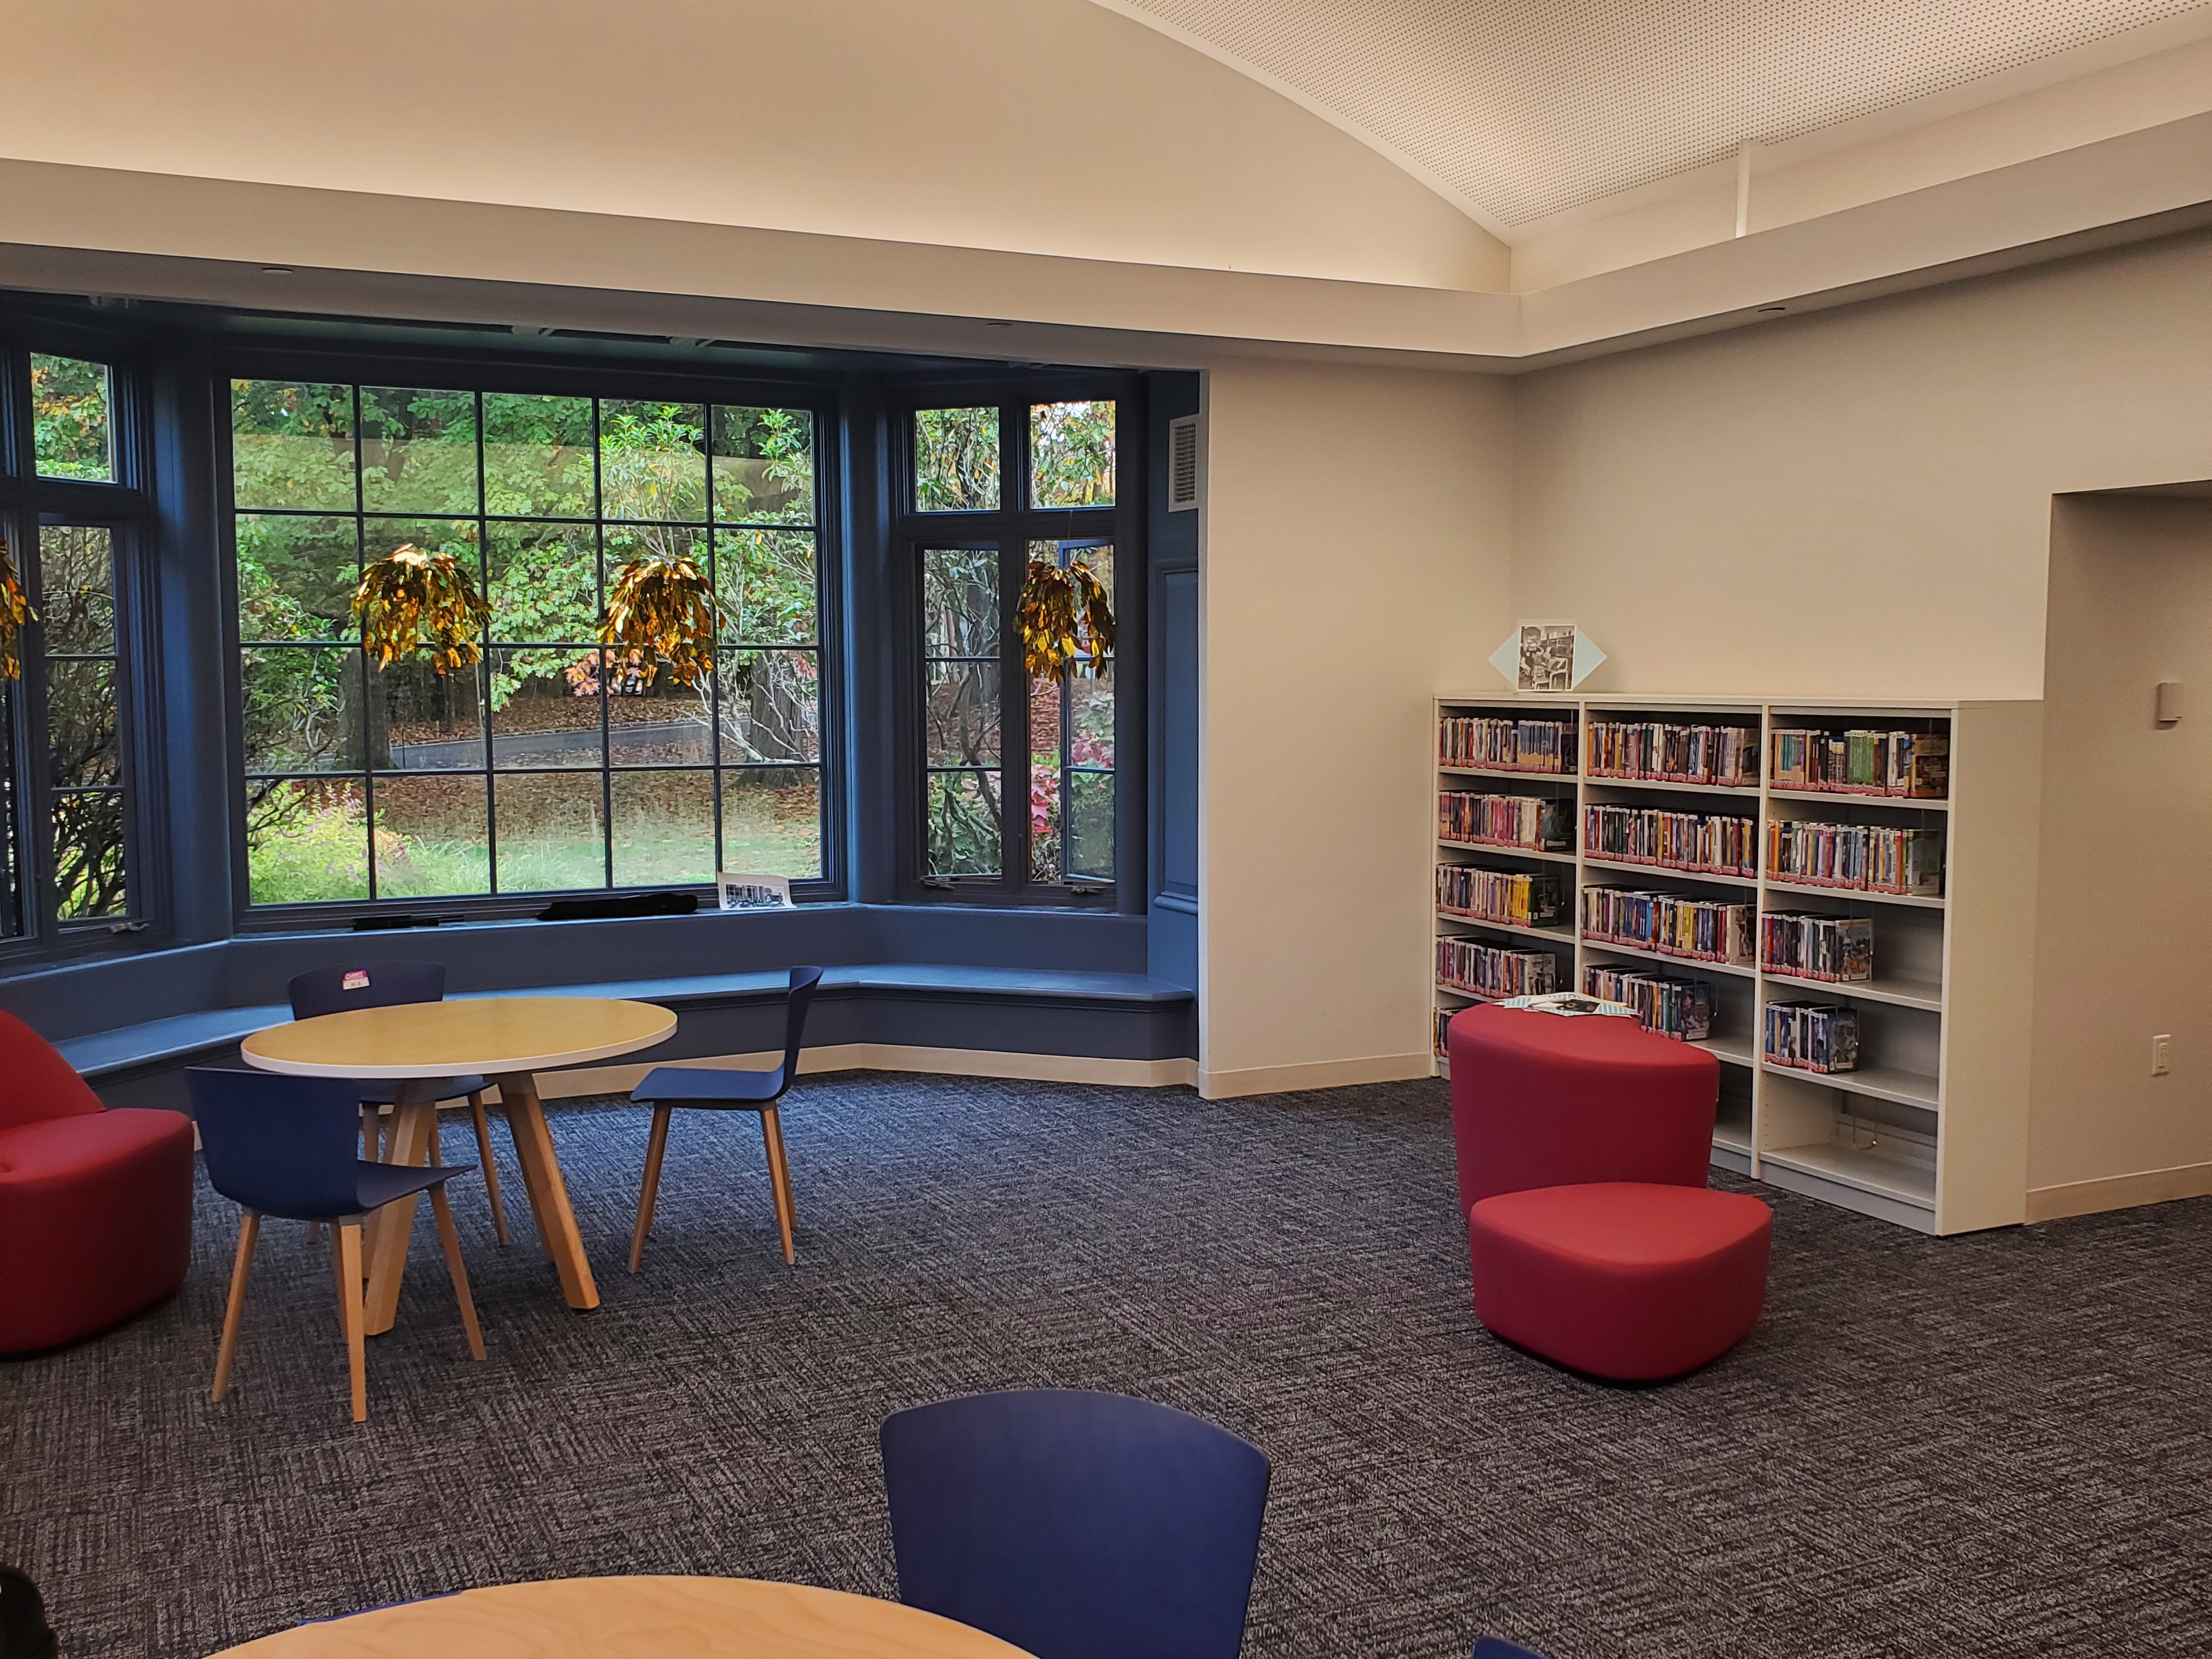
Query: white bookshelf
[{"x": 1930, "y": 1130}]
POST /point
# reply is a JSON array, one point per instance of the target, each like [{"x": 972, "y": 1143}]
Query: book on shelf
[
  {"x": 1491, "y": 971},
  {"x": 1506, "y": 745},
  {"x": 1910, "y": 765},
  {"x": 1872, "y": 858},
  {"x": 1535, "y": 823},
  {"x": 1519, "y": 897},
  {"x": 1703, "y": 930},
  {"x": 1679, "y": 1008},
  {"x": 1712, "y": 844},
  {"x": 1655, "y": 751},
  {"x": 1812, "y": 1037},
  {"x": 1839, "y": 948}
]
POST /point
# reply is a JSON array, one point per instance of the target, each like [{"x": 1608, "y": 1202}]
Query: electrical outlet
[{"x": 2161, "y": 1053}]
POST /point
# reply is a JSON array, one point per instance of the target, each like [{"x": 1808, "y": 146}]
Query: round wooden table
[
  {"x": 637, "y": 1619},
  {"x": 503, "y": 1038}
]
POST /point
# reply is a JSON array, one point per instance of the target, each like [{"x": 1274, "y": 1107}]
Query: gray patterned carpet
[{"x": 1989, "y": 1446}]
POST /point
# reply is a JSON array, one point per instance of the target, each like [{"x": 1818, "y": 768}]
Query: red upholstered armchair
[
  {"x": 1583, "y": 1145},
  {"x": 96, "y": 1206}
]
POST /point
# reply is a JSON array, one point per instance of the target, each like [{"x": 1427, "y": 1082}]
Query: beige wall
[
  {"x": 1354, "y": 565},
  {"x": 1043, "y": 126},
  {"x": 1857, "y": 502},
  {"x": 2125, "y": 946}
]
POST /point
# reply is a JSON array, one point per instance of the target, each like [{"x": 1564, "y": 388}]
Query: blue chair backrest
[
  {"x": 803, "y": 981},
  {"x": 1077, "y": 1525},
  {"x": 1497, "y": 1647},
  {"x": 365, "y": 985},
  {"x": 284, "y": 1146}
]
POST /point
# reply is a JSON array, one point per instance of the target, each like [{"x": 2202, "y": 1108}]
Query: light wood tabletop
[
  {"x": 506, "y": 1039},
  {"x": 642, "y": 1618}
]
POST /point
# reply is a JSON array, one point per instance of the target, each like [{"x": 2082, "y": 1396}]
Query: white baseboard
[
  {"x": 2119, "y": 1192},
  {"x": 893, "y": 1057},
  {"x": 1324, "y": 1074}
]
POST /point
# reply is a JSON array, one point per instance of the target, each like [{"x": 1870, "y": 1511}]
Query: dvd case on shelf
[
  {"x": 1655, "y": 751},
  {"x": 1703, "y": 930},
  {"x": 1506, "y": 745},
  {"x": 1519, "y": 897},
  {"x": 1873, "y": 858},
  {"x": 1719, "y": 844},
  {"x": 1493, "y": 971},
  {"x": 1812, "y": 1037},
  {"x": 1839, "y": 948},
  {"x": 1912, "y": 765},
  {"x": 1679, "y": 1008},
  {"x": 1529, "y": 823}
]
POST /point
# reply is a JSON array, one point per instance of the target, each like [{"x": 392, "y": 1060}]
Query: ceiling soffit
[{"x": 1523, "y": 109}]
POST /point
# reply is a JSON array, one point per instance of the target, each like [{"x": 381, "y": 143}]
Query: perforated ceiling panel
[{"x": 1528, "y": 107}]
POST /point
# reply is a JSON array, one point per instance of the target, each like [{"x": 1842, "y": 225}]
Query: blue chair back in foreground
[
  {"x": 803, "y": 981},
  {"x": 284, "y": 1146},
  {"x": 1497, "y": 1647},
  {"x": 1077, "y": 1525},
  {"x": 322, "y": 991}
]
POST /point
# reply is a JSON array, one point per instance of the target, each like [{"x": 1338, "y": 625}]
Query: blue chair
[
  {"x": 1077, "y": 1525},
  {"x": 284, "y": 1146},
  {"x": 1497, "y": 1647},
  {"x": 667, "y": 1087},
  {"x": 385, "y": 985}
]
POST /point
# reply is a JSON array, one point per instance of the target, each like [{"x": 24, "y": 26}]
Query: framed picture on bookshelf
[{"x": 1553, "y": 657}]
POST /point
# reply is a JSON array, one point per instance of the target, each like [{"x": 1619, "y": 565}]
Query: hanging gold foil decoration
[
  {"x": 662, "y": 610},
  {"x": 15, "y": 611},
  {"x": 412, "y": 602},
  {"x": 1065, "y": 618}
]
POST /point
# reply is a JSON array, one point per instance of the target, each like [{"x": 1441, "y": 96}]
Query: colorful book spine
[
  {"x": 1707, "y": 843},
  {"x": 1520, "y": 899},
  {"x": 1900, "y": 765},
  {"x": 1838, "y": 948},
  {"x": 1679, "y": 1008},
  {"x": 1490, "y": 971},
  {"x": 1654, "y": 751},
  {"x": 1812, "y": 1037},
  {"x": 1531, "y": 822},
  {"x": 1506, "y": 745},
  {"x": 1702, "y": 930},
  {"x": 1871, "y": 858}
]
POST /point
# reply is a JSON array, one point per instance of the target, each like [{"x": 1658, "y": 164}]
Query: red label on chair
[{"x": 356, "y": 981}]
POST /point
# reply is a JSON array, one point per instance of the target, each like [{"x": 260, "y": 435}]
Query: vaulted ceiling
[{"x": 1522, "y": 109}]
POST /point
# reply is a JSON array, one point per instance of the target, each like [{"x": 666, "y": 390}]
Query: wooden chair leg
[
  {"x": 454, "y": 1270},
  {"x": 654, "y": 1148},
  {"x": 350, "y": 1315},
  {"x": 234, "y": 1314},
  {"x": 491, "y": 1173},
  {"x": 779, "y": 1175}
]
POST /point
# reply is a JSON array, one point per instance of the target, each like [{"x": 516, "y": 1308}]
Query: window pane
[
  {"x": 81, "y": 739},
  {"x": 1090, "y": 717},
  {"x": 961, "y": 810},
  {"x": 77, "y": 589},
  {"x": 765, "y": 579},
  {"x": 302, "y": 708},
  {"x": 1044, "y": 778},
  {"x": 956, "y": 460},
  {"x": 1090, "y": 825},
  {"x": 1072, "y": 455},
  {"x": 772, "y": 821},
  {"x": 771, "y": 706},
  {"x": 88, "y": 880},
  {"x": 434, "y": 721},
  {"x": 1095, "y": 556},
  {"x": 381, "y": 537},
  {"x": 291, "y": 445},
  {"x": 418, "y": 450},
  {"x": 430, "y": 840},
  {"x": 70, "y": 421},
  {"x": 630, "y": 544},
  {"x": 538, "y": 456},
  {"x": 664, "y": 828},
  {"x": 306, "y": 843},
  {"x": 960, "y": 713},
  {"x": 660, "y": 725},
  {"x": 544, "y": 709},
  {"x": 653, "y": 461},
  {"x": 960, "y": 602},
  {"x": 552, "y": 836},
  {"x": 296, "y": 577},
  {"x": 545, "y": 582},
  {"x": 763, "y": 467}
]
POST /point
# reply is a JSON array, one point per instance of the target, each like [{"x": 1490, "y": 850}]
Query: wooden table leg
[
  {"x": 549, "y": 1194},
  {"x": 413, "y": 1121}
]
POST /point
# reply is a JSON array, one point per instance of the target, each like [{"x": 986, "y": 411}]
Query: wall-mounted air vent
[{"x": 1182, "y": 464}]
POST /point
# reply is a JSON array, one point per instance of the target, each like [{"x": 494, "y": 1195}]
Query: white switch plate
[{"x": 2161, "y": 1051}]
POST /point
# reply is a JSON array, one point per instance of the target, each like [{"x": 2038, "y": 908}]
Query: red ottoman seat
[
  {"x": 1583, "y": 1145},
  {"x": 96, "y": 1206},
  {"x": 1630, "y": 1280}
]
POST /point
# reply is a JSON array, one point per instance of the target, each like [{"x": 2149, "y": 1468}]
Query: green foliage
[
  {"x": 1072, "y": 455},
  {"x": 70, "y": 426},
  {"x": 955, "y": 459}
]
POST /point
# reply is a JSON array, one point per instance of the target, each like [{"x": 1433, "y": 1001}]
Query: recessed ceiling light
[
  {"x": 275, "y": 271},
  {"x": 993, "y": 322},
  {"x": 1769, "y": 311}
]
